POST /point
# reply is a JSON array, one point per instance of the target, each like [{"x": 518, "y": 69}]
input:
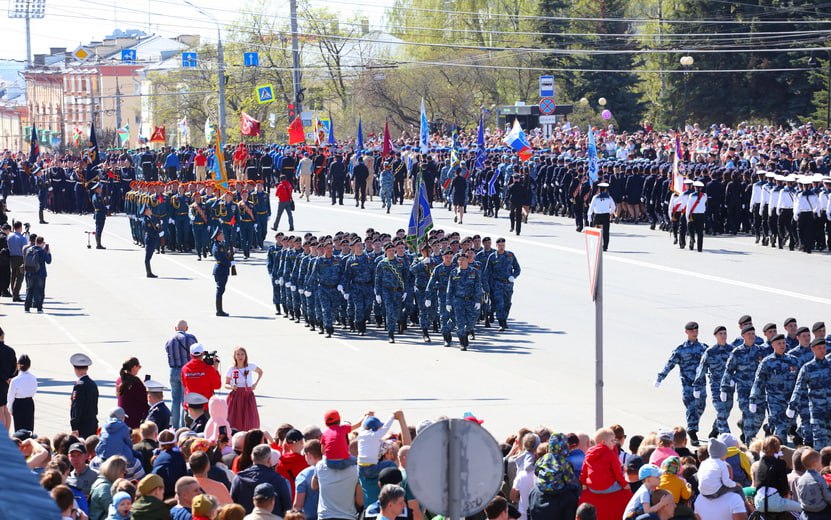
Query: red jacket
[
  {"x": 283, "y": 191},
  {"x": 290, "y": 465},
  {"x": 199, "y": 377},
  {"x": 199, "y": 159},
  {"x": 602, "y": 469}
]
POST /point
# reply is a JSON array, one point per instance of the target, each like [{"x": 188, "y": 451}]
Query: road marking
[{"x": 71, "y": 337}]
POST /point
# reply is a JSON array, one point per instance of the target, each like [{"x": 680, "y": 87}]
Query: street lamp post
[
  {"x": 686, "y": 62},
  {"x": 220, "y": 72}
]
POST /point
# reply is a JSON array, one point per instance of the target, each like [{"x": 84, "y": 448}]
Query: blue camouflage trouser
[
  {"x": 329, "y": 303},
  {"x": 425, "y": 314},
  {"x": 304, "y": 302},
  {"x": 318, "y": 306},
  {"x": 386, "y": 196},
  {"x": 805, "y": 428},
  {"x": 502, "y": 293},
  {"x": 465, "y": 312},
  {"x": 694, "y": 407},
  {"x": 409, "y": 304},
  {"x": 820, "y": 418},
  {"x": 445, "y": 317},
  {"x": 751, "y": 422},
  {"x": 361, "y": 299},
  {"x": 391, "y": 300},
  {"x": 777, "y": 419},
  {"x": 723, "y": 409}
]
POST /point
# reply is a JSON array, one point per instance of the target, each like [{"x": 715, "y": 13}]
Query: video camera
[{"x": 210, "y": 358}]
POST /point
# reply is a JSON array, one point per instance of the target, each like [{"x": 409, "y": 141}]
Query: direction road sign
[
  {"x": 547, "y": 106},
  {"x": 189, "y": 59},
  {"x": 454, "y": 468},
  {"x": 128, "y": 56},
  {"x": 548, "y": 120},
  {"x": 547, "y": 86},
  {"x": 265, "y": 94},
  {"x": 251, "y": 59}
]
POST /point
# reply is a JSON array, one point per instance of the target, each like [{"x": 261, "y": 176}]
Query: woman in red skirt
[{"x": 242, "y": 405}]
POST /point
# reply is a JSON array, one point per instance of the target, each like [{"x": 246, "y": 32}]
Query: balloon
[{"x": 606, "y": 114}]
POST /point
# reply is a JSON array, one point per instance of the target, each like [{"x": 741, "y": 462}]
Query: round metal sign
[
  {"x": 547, "y": 106},
  {"x": 479, "y": 474}
]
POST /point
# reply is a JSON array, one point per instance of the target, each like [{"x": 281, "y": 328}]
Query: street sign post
[
  {"x": 546, "y": 86},
  {"x": 594, "y": 254},
  {"x": 265, "y": 94},
  {"x": 251, "y": 59},
  {"x": 128, "y": 56},
  {"x": 189, "y": 60},
  {"x": 548, "y": 120},
  {"x": 454, "y": 468},
  {"x": 81, "y": 54},
  {"x": 547, "y": 106}
]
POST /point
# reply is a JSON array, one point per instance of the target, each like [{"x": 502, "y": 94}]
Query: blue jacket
[{"x": 115, "y": 440}]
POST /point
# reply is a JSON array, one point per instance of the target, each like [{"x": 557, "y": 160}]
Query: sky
[{"x": 69, "y": 23}]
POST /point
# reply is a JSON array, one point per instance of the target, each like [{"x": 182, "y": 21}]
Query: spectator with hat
[
  {"x": 197, "y": 417},
  {"x": 115, "y": 440},
  {"x": 664, "y": 449},
  {"x": 81, "y": 476},
  {"x": 83, "y": 412},
  {"x": 169, "y": 463},
  {"x": 120, "y": 508},
  {"x": 158, "y": 411},
  {"x": 21, "y": 393},
  {"x": 36, "y": 455},
  {"x": 244, "y": 485},
  {"x": 556, "y": 491},
  {"x": 150, "y": 505},
  {"x": 641, "y": 501},
  {"x": 204, "y": 507},
  {"x": 292, "y": 461},
  {"x": 198, "y": 376},
  {"x": 265, "y": 498},
  {"x": 335, "y": 440}
]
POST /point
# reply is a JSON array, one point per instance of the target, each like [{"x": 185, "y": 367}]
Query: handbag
[{"x": 292, "y": 204}]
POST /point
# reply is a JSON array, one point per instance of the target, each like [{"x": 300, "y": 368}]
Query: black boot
[
  {"x": 219, "y": 311},
  {"x": 362, "y": 327},
  {"x": 392, "y": 337},
  {"x": 98, "y": 243},
  {"x": 401, "y": 326},
  {"x": 448, "y": 338},
  {"x": 425, "y": 335},
  {"x": 713, "y": 434},
  {"x": 693, "y": 437},
  {"x": 149, "y": 271},
  {"x": 40, "y": 217},
  {"x": 502, "y": 325},
  {"x": 463, "y": 342},
  {"x": 320, "y": 326},
  {"x": 277, "y": 306},
  {"x": 329, "y": 331}
]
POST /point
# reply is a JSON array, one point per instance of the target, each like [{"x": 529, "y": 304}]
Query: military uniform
[
  {"x": 325, "y": 277},
  {"x": 740, "y": 373},
  {"x": 357, "y": 284},
  {"x": 421, "y": 270},
  {"x": 502, "y": 270},
  {"x": 222, "y": 269},
  {"x": 437, "y": 295},
  {"x": 158, "y": 413},
  {"x": 812, "y": 386},
  {"x": 390, "y": 291},
  {"x": 773, "y": 386},
  {"x": 688, "y": 358},
  {"x": 712, "y": 365},
  {"x": 99, "y": 208},
  {"x": 464, "y": 296},
  {"x": 83, "y": 410}
]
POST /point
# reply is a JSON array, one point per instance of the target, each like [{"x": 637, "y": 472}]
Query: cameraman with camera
[
  {"x": 201, "y": 374},
  {"x": 34, "y": 266}
]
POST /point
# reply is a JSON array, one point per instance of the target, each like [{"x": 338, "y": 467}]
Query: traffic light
[{"x": 292, "y": 114}]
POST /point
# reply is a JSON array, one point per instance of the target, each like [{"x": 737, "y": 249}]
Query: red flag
[
  {"x": 295, "y": 130},
  {"x": 386, "y": 148},
  {"x": 158, "y": 135},
  {"x": 249, "y": 126}
]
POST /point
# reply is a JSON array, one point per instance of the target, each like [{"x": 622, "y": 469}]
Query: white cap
[
  {"x": 196, "y": 349},
  {"x": 698, "y": 184},
  {"x": 688, "y": 181}
]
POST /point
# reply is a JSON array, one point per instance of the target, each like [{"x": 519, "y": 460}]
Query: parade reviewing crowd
[{"x": 206, "y": 456}]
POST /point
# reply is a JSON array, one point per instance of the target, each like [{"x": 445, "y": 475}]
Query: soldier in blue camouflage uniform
[
  {"x": 812, "y": 386},
  {"x": 272, "y": 259},
  {"x": 304, "y": 288},
  {"x": 482, "y": 257},
  {"x": 773, "y": 386},
  {"x": 464, "y": 297},
  {"x": 386, "y": 180},
  {"x": 803, "y": 354},
  {"x": 289, "y": 261},
  {"x": 503, "y": 268},
  {"x": 357, "y": 285},
  {"x": 739, "y": 373},
  {"x": 390, "y": 288},
  {"x": 743, "y": 322},
  {"x": 688, "y": 357},
  {"x": 324, "y": 278},
  {"x": 421, "y": 270},
  {"x": 405, "y": 260},
  {"x": 711, "y": 366},
  {"x": 437, "y": 294}
]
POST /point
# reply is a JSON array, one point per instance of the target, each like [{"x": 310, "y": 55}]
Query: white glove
[
  {"x": 377, "y": 298},
  {"x": 276, "y": 282},
  {"x": 449, "y": 308},
  {"x": 656, "y": 383},
  {"x": 723, "y": 397},
  {"x": 280, "y": 281},
  {"x": 404, "y": 297},
  {"x": 427, "y": 303},
  {"x": 752, "y": 407},
  {"x": 233, "y": 263},
  {"x": 161, "y": 234},
  {"x": 477, "y": 306},
  {"x": 346, "y": 296},
  {"x": 511, "y": 279},
  {"x": 790, "y": 413},
  {"x": 340, "y": 288},
  {"x": 293, "y": 288},
  {"x": 307, "y": 293},
  {"x": 697, "y": 394},
  {"x": 171, "y": 221}
]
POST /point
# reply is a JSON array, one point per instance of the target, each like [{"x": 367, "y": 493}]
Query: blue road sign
[
  {"x": 128, "y": 56},
  {"x": 546, "y": 86},
  {"x": 189, "y": 59},
  {"x": 251, "y": 59},
  {"x": 265, "y": 94}
]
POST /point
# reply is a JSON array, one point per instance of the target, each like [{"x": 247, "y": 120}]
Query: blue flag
[
  {"x": 421, "y": 221},
  {"x": 360, "y": 135},
  {"x": 424, "y": 131},
  {"x": 331, "y": 140},
  {"x": 481, "y": 151},
  {"x": 34, "y": 148},
  {"x": 455, "y": 158},
  {"x": 592, "y": 151}
]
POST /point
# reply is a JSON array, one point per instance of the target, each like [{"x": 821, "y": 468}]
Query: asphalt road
[{"x": 541, "y": 371}]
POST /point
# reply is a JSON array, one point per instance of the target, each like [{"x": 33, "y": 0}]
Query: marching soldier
[
  {"x": 437, "y": 294},
  {"x": 812, "y": 386},
  {"x": 222, "y": 267},
  {"x": 696, "y": 215},
  {"x": 151, "y": 228},
  {"x": 83, "y": 411},
  {"x": 464, "y": 297},
  {"x": 390, "y": 289},
  {"x": 600, "y": 211},
  {"x": 245, "y": 210},
  {"x": 773, "y": 386},
  {"x": 739, "y": 373},
  {"x": 99, "y": 208},
  {"x": 712, "y": 365},
  {"x": 198, "y": 215},
  {"x": 502, "y": 269}
]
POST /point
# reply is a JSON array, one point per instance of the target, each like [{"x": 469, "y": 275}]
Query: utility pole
[
  {"x": 295, "y": 60},
  {"x": 28, "y": 9},
  {"x": 220, "y": 70},
  {"x": 117, "y": 106}
]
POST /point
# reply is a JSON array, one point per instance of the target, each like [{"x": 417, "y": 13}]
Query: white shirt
[
  {"x": 25, "y": 384},
  {"x": 242, "y": 377},
  {"x": 304, "y": 167},
  {"x": 601, "y": 205},
  {"x": 806, "y": 202},
  {"x": 696, "y": 204},
  {"x": 524, "y": 482},
  {"x": 712, "y": 474},
  {"x": 369, "y": 442},
  {"x": 721, "y": 508},
  {"x": 785, "y": 199},
  {"x": 677, "y": 203},
  {"x": 756, "y": 194}
]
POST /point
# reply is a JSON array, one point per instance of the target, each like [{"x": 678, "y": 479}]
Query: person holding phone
[{"x": 242, "y": 405}]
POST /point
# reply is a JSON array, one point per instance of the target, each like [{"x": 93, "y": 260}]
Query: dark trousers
[
  {"x": 23, "y": 412},
  {"x": 516, "y": 218},
  {"x": 682, "y": 231},
  {"x": 603, "y": 220},
  {"x": 806, "y": 230},
  {"x": 35, "y": 291},
  {"x": 757, "y": 221},
  {"x": 786, "y": 228},
  {"x": 337, "y": 193},
  {"x": 578, "y": 214},
  {"x": 281, "y": 207},
  {"x": 360, "y": 191},
  {"x": 696, "y": 228},
  {"x": 398, "y": 191},
  {"x": 16, "y": 266}
]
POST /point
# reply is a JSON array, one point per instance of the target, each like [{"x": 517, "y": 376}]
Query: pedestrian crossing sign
[{"x": 265, "y": 94}]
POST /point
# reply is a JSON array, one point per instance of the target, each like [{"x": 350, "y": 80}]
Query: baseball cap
[
  {"x": 118, "y": 413},
  {"x": 390, "y": 475},
  {"x": 331, "y": 417},
  {"x": 468, "y": 416},
  {"x": 372, "y": 423},
  {"x": 23, "y": 435},
  {"x": 264, "y": 491},
  {"x": 649, "y": 470},
  {"x": 294, "y": 435},
  {"x": 196, "y": 349},
  {"x": 77, "y": 447}
]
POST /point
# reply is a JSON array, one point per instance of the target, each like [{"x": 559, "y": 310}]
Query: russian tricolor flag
[{"x": 518, "y": 142}]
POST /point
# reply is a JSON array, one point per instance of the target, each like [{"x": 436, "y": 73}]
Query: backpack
[{"x": 31, "y": 262}]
